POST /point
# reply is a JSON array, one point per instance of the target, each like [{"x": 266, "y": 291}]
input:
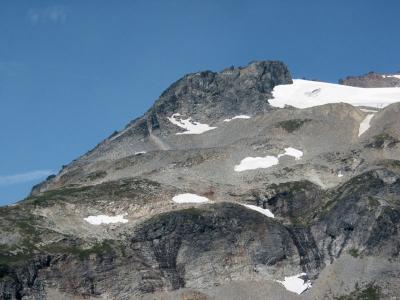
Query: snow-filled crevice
[
  {"x": 190, "y": 126},
  {"x": 365, "y": 124},
  {"x": 295, "y": 283},
  {"x": 261, "y": 210}
]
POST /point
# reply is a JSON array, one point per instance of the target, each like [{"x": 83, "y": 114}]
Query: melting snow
[
  {"x": 189, "y": 198},
  {"x": 252, "y": 163},
  {"x": 296, "y": 284},
  {"x": 190, "y": 126},
  {"x": 365, "y": 124},
  {"x": 237, "y": 117},
  {"x": 103, "y": 219},
  {"x": 306, "y": 93},
  {"x": 297, "y": 154},
  {"x": 264, "y": 211}
]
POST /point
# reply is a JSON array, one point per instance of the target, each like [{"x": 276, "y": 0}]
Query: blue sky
[{"x": 72, "y": 72}]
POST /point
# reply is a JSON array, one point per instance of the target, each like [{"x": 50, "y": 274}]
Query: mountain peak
[{"x": 208, "y": 95}]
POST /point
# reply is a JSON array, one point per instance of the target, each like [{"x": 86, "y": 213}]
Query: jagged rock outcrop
[{"x": 206, "y": 96}]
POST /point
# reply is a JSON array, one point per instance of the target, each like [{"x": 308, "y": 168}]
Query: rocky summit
[{"x": 239, "y": 184}]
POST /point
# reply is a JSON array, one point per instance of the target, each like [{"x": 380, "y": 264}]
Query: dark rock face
[
  {"x": 181, "y": 242},
  {"x": 17, "y": 282},
  {"x": 361, "y": 216},
  {"x": 164, "y": 253},
  {"x": 371, "y": 80},
  {"x": 208, "y": 96}
]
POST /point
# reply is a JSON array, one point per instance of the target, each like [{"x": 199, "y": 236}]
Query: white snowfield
[
  {"x": 237, "y": 117},
  {"x": 252, "y": 163},
  {"x": 365, "y": 124},
  {"x": 103, "y": 219},
  {"x": 189, "y": 198},
  {"x": 190, "y": 126},
  {"x": 264, "y": 211},
  {"x": 307, "y": 93},
  {"x": 297, "y": 154},
  {"x": 295, "y": 284}
]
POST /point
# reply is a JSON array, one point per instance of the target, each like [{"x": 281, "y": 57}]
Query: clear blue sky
[{"x": 73, "y": 71}]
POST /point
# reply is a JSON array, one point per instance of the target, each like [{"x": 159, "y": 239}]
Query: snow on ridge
[
  {"x": 103, "y": 219},
  {"x": 261, "y": 210},
  {"x": 392, "y": 76},
  {"x": 297, "y": 154},
  {"x": 295, "y": 284},
  {"x": 237, "y": 117},
  {"x": 252, "y": 163},
  {"x": 190, "y": 126},
  {"x": 306, "y": 93},
  {"x": 117, "y": 135},
  {"x": 365, "y": 124},
  {"x": 189, "y": 198}
]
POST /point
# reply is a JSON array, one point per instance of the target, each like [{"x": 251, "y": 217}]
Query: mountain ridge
[
  {"x": 314, "y": 198},
  {"x": 372, "y": 80}
]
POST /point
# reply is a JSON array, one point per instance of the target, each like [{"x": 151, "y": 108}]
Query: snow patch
[
  {"x": 340, "y": 174},
  {"x": 306, "y": 93},
  {"x": 103, "y": 219},
  {"x": 264, "y": 211},
  {"x": 365, "y": 124},
  {"x": 391, "y": 76},
  {"x": 190, "y": 126},
  {"x": 140, "y": 152},
  {"x": 189, "y": 198},
  {"x": 252, "y": 163},
  {"x": 297, "y": 154},
  {"x": 237, "y": 117},
  {"x": 295, "y": 284}
]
